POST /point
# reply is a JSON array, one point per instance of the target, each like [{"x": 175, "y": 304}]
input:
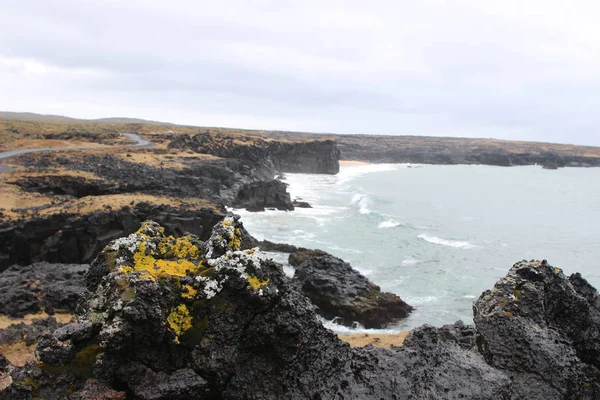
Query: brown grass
[
  {"x": 43, "y": 143},
  {"x": 6, "y": 321},
  {"x": 171, "y": 160},
  {"x": 13, "y": 197},
  {"x": 18, "y": 353},
  {"x": 86, "y": 205},
  {"x": 5, "y": 381},
  {"x": 380, "y": 340}
]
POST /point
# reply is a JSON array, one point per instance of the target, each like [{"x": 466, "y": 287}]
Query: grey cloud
[{"x": 384, "y": 67}]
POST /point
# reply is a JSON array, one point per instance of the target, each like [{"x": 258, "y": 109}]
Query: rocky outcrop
[
  {"x": 343, "y": 293},
  {"x": 177, "y": 318},
  {"x": 215, "y": 179},
  {"x": 298, "y": 256},
  {"x": 543, "y": 330},
  {"x": 68, "y": 185},
  {"x": 41, "y": 287},
  {"x": 266, "y": 194},
  {"x": 69, "y": 238},
  {"x": 314, "y": 156},
  {"x": 171, "y": 317}
]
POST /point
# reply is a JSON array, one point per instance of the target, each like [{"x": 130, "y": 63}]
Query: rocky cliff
[{"x": 315, "y": 156}]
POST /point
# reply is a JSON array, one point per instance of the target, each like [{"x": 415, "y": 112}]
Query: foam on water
[
  {"x": 356, "y": 329},
  {"x": 409, "y": 262},
  {"x": 351, "y": 172},
  {"x": 361, "y": 201},
  {"x": 438, "y": 236},
  {"x": 458, "y": 244},
  {"x": 391, "y": 223}
]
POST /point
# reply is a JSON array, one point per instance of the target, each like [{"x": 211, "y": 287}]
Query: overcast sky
[{"x": 511, "y": 69}]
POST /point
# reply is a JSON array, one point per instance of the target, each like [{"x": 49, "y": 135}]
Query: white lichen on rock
[{"x": 130, "y": 243}]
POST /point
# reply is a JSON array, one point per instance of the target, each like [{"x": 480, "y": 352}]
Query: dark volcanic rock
[
  {"x": 314, "y": 156},
  {"x": 340, "y": 291},
  {"x": 97, "y": 390},
  {"x": 299, "y": 256},
  {"x": 69, "y": 238},
  {"x": 178, "y": 318},
  {"x": 301, "y": 204},
  {"x": 543, "y": 330},
  {"x": 29, "y": 334},
  {"x": 67, "y": 185},
  {"x": 41, "y": 286},
  {"x": 231, "y": 327},
  {"x": 257, "y": 196}
]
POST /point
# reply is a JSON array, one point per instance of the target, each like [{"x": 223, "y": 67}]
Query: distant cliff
[
  {"x": 450, "y": 150},
  {"x": 312, "y": 156}
]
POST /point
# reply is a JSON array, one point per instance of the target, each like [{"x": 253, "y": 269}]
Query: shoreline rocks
[
  {"x": 178, "y": 317},
  {"x": 342, "y": 293},
  {"x": 257, "y": 196}
]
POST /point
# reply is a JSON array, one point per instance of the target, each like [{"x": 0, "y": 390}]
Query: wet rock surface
[{"x": 342, "y": 292}]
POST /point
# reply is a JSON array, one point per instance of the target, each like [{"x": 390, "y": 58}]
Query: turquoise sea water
[{"x": 440, "y": 235}]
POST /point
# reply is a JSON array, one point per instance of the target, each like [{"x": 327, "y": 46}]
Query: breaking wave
[
  {"x": 389, "y": 224},
  {"x": 458, "y": 244}
]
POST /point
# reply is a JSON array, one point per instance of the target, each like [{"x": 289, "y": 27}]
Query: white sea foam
[
  {"x": 362, "y": 201},
  {"x": 409, "y": 262},
  {"x": 357, "y": 328},
  {"x": 350, "y": 172},
  {"x": 391, "y": 223},
  {"x": 458, "y": 244}
]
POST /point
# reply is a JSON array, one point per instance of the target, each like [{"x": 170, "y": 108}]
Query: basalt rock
[
  {"x": 77, "y": 239},
  {"x": 299, "y": 256},
  {"x": 181, "y": 318},
  {"x": 314, "y": 156},
  {"x": 41, "y": 287},
  {"x": 543, "y": 330},
  {"x": 343, "y": 293},
  {"x": 257, "y": 196},
  {"x": 175, "y": 317}
]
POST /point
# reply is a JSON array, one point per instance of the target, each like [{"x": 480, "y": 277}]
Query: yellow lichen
[
  {"x": 153, "y": 268},
  {"x": 180, "y": 321},
  {"x": 227, "y": 223},
  {"x": 508, "y": 314},
  {"x": 190, "y": 292},
  {"x": 557, "y": 270},
  {"x": 517, "y": 293},
  {"x": 183, "y": 248},
  {"x": 256, "y": 283}
]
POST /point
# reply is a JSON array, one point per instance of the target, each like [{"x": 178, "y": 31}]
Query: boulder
[
  {"x": 343, "y": 293},
  {"x": 257, "y": 196},
  {"x": 543, "y": 330}
]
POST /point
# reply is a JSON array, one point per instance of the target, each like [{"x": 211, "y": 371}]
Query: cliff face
[{"x": 314, "y": 156}]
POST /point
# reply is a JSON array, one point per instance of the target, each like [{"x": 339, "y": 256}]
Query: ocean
[{"x": 438, "y": 236}]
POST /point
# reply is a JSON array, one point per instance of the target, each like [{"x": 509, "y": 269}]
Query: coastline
[{"x": 353, "y": 162}]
